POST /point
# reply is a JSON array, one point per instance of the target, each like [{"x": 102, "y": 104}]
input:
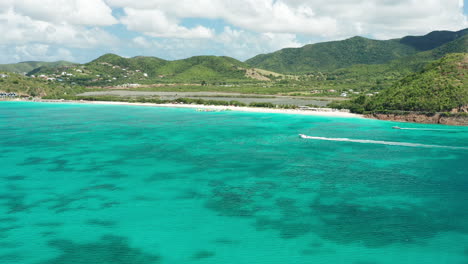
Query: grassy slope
[
  {"x": 441, "y": 86},
  {"x": 35, "y": 87},
  {"x": 382, "y": 76}
]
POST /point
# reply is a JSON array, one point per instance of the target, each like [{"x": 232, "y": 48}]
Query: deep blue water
[{"x": 139, "y": 185}]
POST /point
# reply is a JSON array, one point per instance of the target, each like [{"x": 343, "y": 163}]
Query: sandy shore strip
[{"x": 316, "y": 112}]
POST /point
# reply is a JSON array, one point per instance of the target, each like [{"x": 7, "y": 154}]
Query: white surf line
[
  {"x": 428, "y": 129},
  {"x": 405, "y": 144}
]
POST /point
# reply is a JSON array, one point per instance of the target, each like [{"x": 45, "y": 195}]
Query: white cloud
[
  {"x": 155, "y": 23},
  {"x": 30, "y": 27},
  {"x": 75, "y": 12},
  {"x": 34, "y": 52},
  {"x": 256, "y": 15},
  {"x": 239, "y": 44},
  {"x": 330, "y": 19},
  {"x": 141, "y": 42},
  {"x": 21, "y": 29},
  {"x": 244, "y": 45},
  {"x": 253, "y": 26}
]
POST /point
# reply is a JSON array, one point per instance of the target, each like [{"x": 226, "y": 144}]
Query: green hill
[
  {"x": 25, "y": 86},
  {"x": 441, "y": 86},
  {"x": 380, "y": 76},
  {"x": 433, "y": 40},
  {"x": 329, "y": 56},
  {"x": 111, "y": 69},
  {"x": 27, "y": 66}
]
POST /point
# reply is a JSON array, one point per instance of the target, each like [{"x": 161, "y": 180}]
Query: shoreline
[{"x": 327, "y": 112}]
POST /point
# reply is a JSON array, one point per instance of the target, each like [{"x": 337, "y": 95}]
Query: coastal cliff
[{"x": 452, "y": 120}]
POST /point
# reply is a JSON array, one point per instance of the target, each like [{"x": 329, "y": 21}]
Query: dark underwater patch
[
  {"x": 288, "y": 229},
  {"x": 48, "y": 233},
  {"x": 144, "y": 198},
  {"x": 109, "y": 205},
  {"x": 115, "y": 175},
  {"x": 103, "y": 223},
  {"x": 189, "y": 195},
  {"x": 33, "y": 161},
  {"x": 8, "y": 219},
  {"x": 61, "y": 165},
  {"x": 232, "y": 202},
  {"x": 15, "y": 203},
  {"x": 15, "y": 178},
  {"x": 10, "y": 245},
  {"x": 63, "y": 203},
  {"x": 11, "y": 258},
  {"x": 292, "y": 223},
  {"x": 50, "y": 224},
  {"x": 102, "y": 187},
  {"x": 4, "y": 231},
  {"x": 108, "y": 250},
  {"x": 225, "y": 241},
  {"x": 162, "y": 177},
  {"x": 377, "y": 226},
  {"x": 239, "y": 201},
  {"x": 203, "y": 254}
]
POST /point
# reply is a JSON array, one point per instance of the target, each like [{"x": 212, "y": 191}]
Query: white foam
[
  {"x": 365, "y": 141},
  {"x": 427, "y": 129}
]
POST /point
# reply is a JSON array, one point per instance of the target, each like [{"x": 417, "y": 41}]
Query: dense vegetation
[
  {"x": 111, "y": 69},
  {"x": 27, "y": 66},
  {"x": 197, "y": 101},
  {"x": 377, "y": 77},
  {"x": 24, "y": 86},
  {"x": 442, "y": 86},
  {"x": 329, "y": 56},
  {"x": 433, "y": 39}
]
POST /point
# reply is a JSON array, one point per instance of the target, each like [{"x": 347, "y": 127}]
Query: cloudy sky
[{"x": 81, "y": 30}]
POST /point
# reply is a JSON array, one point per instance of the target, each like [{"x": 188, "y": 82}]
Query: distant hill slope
[
  {"x": 384, "y": 75},
  {"x": 22, "y": 85},
  {"x": 329, "y": 56},
  {"x": 441, "y": 86},
  {"x": 113, "y": 69},
  {"x": 27, "y": 66},
  {"x": 433, "y": 40}
]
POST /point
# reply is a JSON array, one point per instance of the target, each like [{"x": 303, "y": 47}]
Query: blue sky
[{"x": 82, "y": 30}]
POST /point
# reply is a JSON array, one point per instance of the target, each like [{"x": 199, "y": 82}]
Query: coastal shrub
[
  {"x": 266, "y": 105},
  {"x": 288, "y": 106},
  {"x": 236, "y": 103}
]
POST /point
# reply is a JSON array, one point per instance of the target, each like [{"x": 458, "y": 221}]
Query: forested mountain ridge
[{"x": 333, "y": 55}]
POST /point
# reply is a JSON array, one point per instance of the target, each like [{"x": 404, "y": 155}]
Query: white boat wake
[
  {"x": 365, "y": 141},
  {"x": 426, "y": 129}
]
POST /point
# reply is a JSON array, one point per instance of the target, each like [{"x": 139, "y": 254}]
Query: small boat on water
[{"x": 396, "y": 127}]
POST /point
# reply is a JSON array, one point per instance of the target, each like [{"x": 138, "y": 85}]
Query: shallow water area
[{"x": 129, "y": 184}]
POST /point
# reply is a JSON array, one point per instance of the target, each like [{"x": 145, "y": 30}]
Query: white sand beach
[{"x": 315, "y": 112}]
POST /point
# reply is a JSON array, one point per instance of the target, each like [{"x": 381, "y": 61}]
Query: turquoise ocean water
[{"x": 140, "y": 185}]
